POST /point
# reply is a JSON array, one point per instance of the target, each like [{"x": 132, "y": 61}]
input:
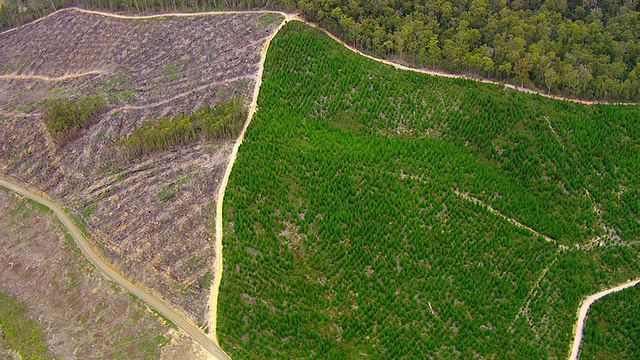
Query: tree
[
  {"x": 435, "y": 53},
  {"x": 522, "y": 68},
  {"x": 551, "y": 78}
]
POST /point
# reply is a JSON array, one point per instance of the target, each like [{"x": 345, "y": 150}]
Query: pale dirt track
[
  {"x": 452, "y": 75},
  {"x": 48, "y": 78},
  {"x": 511, "y": 220},
  {"x": 215, "y": 288},
  {"x": 107, "y": 270},
  {"x": 582, "y": 314}
]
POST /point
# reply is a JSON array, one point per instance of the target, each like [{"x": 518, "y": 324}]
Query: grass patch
[
  {"x": 79, "y": 221},
  {"x": 19, "y": 333},
  {"x": 270, "y": 18}
]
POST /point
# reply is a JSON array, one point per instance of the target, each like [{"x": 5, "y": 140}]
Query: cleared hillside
[
  {"x": 47, "y": 281},
  {"x": 152, "y": 213},
  {"x": 384, "y": 213}
]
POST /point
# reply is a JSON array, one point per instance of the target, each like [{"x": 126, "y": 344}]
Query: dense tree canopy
[
  {"x": 587, "y": 49},
  {"x": 346, "y": 236}
]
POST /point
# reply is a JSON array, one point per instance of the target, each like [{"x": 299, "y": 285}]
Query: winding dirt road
[
  {"x": 452, "y": 75},
  {"x": 111, "y": 273},
  {"x": 582, "y": 314}
]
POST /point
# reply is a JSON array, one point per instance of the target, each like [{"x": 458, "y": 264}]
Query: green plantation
[
  {"x": 612, "y": 328},
  {"x": 357, "y": 221},
  {"x": 347, "y": 232}
]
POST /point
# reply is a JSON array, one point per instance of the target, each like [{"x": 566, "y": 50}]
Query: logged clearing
[
  {"x": 80, "y": 313},
  {"x": 151, "y": 215}
]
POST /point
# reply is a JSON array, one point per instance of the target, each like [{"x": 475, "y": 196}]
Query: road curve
[
  {"x": 582, "y": 314},
  {"x": 111, "y": 273},
  {"x": 455, "y": 76}
]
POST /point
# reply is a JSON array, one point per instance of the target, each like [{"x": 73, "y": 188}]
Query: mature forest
[
  {"x": 587, "y": 49},
  {"x": 349, "y": 226}
]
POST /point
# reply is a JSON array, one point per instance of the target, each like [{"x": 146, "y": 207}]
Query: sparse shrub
[{"x": 65, "y": 118}]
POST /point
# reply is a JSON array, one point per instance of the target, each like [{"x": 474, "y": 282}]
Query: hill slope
[
  {"x": 81, "y": 314},
  {"x": 358, "y": 221},
  {"x": 151, "y": 214}
]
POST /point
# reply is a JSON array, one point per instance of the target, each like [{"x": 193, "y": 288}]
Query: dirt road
[
  {"x": 215, "y": 288},
  {"x": 107, "y": 270},
  {"x": 582, "y": 314}
]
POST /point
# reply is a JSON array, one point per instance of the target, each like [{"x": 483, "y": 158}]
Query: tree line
[
  {"x": 222, "y": 121},
  {"x": 587, "y": 49}
]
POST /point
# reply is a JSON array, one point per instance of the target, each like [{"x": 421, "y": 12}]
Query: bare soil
[
  {"x": 151, "y": 217},
  {"x": 83, "y": 315}
]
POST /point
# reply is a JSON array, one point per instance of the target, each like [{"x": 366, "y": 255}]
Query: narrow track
[
  {"x": 49, "y": 78},
  {"x": 215, "y": 288}
]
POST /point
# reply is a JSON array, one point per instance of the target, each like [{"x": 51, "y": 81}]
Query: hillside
[
  {"x": 47, "y": 281},
  {"x": 579, "y": 49},
  {"x": 377, "y": 212},
  {"x": 150, "y": 213}
]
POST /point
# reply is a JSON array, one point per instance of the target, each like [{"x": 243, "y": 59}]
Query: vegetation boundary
[
  {"x": 217, "y": 277},
  {"x": 459, "y": 76}
]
